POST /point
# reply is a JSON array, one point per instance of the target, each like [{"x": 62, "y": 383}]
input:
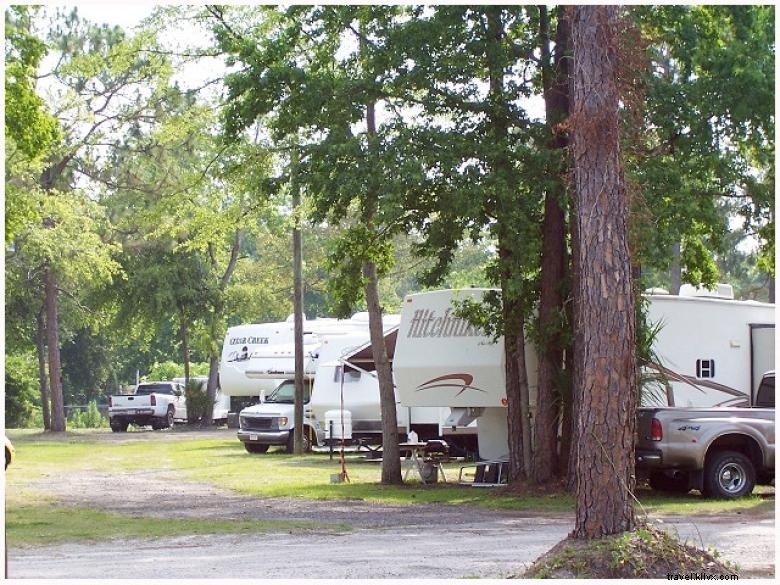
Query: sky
[{"x": 121, "y": 14}]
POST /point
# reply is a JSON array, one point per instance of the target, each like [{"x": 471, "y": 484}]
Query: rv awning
[{"x": 363, "y": 357}]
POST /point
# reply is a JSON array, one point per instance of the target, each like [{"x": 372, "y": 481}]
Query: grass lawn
[
  {"x": 223, "y": 462},
  {"x": 41, "y": 522}
]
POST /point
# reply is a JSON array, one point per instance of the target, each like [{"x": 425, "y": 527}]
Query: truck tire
[
  {"x": 255, "y": 448},
  {"x": 728, "y": 474},
  {"x": 168, "y": 424},
  {"x": 118, "y": 425},
  {"x": 291, "y": 441},
  {"x": 673, "y": 484}
]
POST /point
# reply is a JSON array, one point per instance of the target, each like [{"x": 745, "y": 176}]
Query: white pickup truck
[{"x": 158, "y": 404}]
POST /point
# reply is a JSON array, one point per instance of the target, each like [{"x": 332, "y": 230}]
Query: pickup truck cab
[
  {"x": 721, "y": 451},
  {"x": 272, "y": 422},
  {"x": 158, "y": 404}
]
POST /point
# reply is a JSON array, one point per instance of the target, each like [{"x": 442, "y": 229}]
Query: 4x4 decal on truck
[
  {"x": 689, "y": 428},
  {"x": 449, "y": 380}
]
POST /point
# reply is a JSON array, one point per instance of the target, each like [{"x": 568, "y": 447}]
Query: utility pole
[{"x": 297, "y": 303}]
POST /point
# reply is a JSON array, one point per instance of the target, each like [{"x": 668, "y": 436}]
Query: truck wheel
[
  {"x": 119, "y": 426},
  {"x": 728, "y": 474},
  {"x": 291, "y": 442},
  {"x": 674, "y": 484},
  {"x": 255, "y": 448},
  {"x": 168, "y": 424}
]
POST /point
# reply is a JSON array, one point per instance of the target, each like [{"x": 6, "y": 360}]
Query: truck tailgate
[{"x": 130, "y": 401}]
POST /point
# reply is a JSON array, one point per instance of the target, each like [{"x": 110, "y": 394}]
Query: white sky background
[{"x": 120, "y": 14}]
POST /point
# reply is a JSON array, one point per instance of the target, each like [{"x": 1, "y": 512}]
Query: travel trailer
[
  {"x": 256, "y": 358},
  {"x": 712, "y": 350},
  {"x": 272, "y": 421},
  {"x": 341, "y": 396}
]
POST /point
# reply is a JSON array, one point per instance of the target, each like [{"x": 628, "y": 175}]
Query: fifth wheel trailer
[{"x": 712, "y": 349}]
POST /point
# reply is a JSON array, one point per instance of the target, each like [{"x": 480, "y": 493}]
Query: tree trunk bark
[
  {"x": 553, "y": 273},
  {"x": 575, "y": 360},
  {"x": 606, "y": 314},
  {"x": 192, "y": 415},
  {"x": 211, "y": 390},
  {"x": 391, "y": 455},
  {"x": 216, "y": 330},
  {"x": 40, "y": 344},
  {"x": 53, "y": 343},
  {"x": 514, "y": 417},
  {"x": 517, "y": 395},
  {"x": 391, "y": 458},
  {"x": 675, "y": 276},
  {"x": 518, "y": 408}
]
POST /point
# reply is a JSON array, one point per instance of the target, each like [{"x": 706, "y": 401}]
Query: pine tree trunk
[
  {"x": 53, "y": 343},
  {"x": 606, "y": 312},
  {"x": 40, "y": 344},
  {"x": 575, "y": 360},
  {"x": 517, "y": 395},
  {"x": 553, "y": 273}
]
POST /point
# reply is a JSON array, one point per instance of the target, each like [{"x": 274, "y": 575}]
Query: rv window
[
  {"x": 349, "y": 375},
  {"x": 705, "y": 368}
]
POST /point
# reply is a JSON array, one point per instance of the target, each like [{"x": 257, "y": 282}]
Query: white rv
[
  {"x": 272, "y": 421},
  {"x": 712, "y": 349},
  {"x": 256, "y": 358},
  {"x": 443, "y": 361}
]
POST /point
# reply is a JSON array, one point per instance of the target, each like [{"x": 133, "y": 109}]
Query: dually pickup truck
[
  {"x": 722, "y": 451},
  {"x": 158, "y": 404}
]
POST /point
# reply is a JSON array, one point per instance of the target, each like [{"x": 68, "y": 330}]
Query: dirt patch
[
  {"x": 175, "y": 497},
  {"x": 131, "y": 493}
]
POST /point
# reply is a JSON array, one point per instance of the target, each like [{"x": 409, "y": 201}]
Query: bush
[
  {"x": 22, "y": 392},
  {"x": 91, "y": 418},
  {"x": 170, "y": 370},
  {"x": 198, "y": 403}
]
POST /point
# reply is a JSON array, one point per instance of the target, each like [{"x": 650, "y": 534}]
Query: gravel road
[{"x": 432, "y": 541}]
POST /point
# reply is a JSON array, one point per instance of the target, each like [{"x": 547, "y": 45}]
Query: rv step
[{"x": 485, "y": 474}]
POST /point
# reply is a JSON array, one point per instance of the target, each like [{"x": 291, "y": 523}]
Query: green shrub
[
  {"x": 169, "y": 370},
  {"x": 198, "y": 403},
  {"x": 91, "y": 418},
  {"x": 22, "y": 392}
]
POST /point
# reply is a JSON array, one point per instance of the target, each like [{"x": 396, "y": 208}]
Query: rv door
[{"x": 762, "y": 353}]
